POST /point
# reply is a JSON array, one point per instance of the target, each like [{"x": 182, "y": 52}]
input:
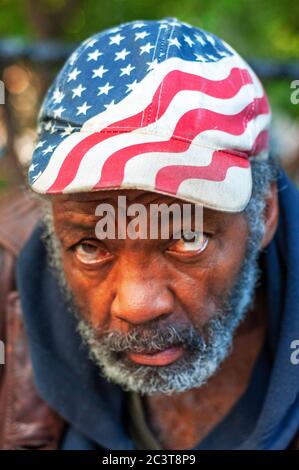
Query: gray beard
[{"x": 205, "y": 349}]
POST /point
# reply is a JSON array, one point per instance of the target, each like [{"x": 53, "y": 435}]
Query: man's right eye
[{"x": 89, "y": 252}]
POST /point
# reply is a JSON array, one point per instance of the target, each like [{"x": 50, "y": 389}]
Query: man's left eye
[{"x": 190, "y": 243}]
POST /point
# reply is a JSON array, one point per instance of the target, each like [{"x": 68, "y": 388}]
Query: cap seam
[
  {"x": 163, "y": 43},
  {"x": 242, "y": 154},
  {"x": 150, "y": 108},
  {"x": 251, "y": 109}
]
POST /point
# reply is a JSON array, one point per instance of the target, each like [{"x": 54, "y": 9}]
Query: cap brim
[{"x": 217, "y": 179}]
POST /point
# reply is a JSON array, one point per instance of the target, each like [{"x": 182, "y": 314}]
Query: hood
[{"x": 71, "y": 384}]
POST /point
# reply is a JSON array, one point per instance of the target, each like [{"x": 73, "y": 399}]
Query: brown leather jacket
[{"x": 26, "y": 421}]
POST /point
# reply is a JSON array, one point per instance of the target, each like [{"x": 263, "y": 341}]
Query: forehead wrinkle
[
  {"x": 101, "y": 195},
  {"x": 77, "y": 225},
  {"x": 97, "y": 196},
  {"x": 89, "y": 206},
  {"x": 74, "y": 220},
  {"x": 68, "y": 230},
  {"x": 86, "y": 208}
]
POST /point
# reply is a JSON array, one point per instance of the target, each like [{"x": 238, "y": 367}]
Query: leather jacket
[{"x": 26, "y": 421}]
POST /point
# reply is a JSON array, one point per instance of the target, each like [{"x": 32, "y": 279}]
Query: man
[{"x": 169, "y": 342}]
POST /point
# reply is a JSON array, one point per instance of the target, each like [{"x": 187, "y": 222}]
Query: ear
[{"x": 271, "y": 215}]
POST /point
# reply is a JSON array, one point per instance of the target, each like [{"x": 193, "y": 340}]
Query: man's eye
[
  {"x": 190, "y": 243},
  {"x": 90, "y": 253}
]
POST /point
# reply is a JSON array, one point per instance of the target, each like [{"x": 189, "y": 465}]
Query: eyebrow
[{"x": 82, "y": 226}]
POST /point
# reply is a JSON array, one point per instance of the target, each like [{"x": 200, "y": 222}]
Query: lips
[{"x": 161, "y": 358}]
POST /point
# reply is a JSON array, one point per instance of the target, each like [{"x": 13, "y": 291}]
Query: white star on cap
[
  {"x": 152, "y": 65},
  {"x": 99, "y": 72},
  {"x": 40, "y": 144},
  {"x": 104, "y": 90},
  {"x": 174, "y": 42},
  {"x": 147, "y": 48},
  {"x": 73, "y": 75},
  {"x": 83, "y": 109},
  {"x": 52, "y": 129},
  {"x": 73, "y": 58},
  {"x": 48, "y": 125},
  {"x": 110, "y": 105},
  {"x": 138, "y": 25},
  {"x": 78, "y": 91},
  {"x": 67, "y": 131},
  {"x": 49, "y": 149},
  {"x": 174, "y": 23},
  {"x": 200, "y": 39},
  {"x": 94, "y": 55},
  {"x": 131, "y": 86},
  {"x": 32, "y": 166},
  {"x": 116, "y": 39},
  {"x": 211, "y": 39},
  {"x": 115, "y": 30},
  {"x": 223, "y": 53},
  {"x": 58, "y": 112},
  {"x": 141, "y": 35},
  {"x": 199, "y": 57},
  {"x": 58, "y": 96},
  {"x": 36, "y": 176},
  {"x": 127, "y": 70},
  {"x": 188, "y": 40},
  {"x": 90, "y": 42},
  {"x": 121, "y": 55}
]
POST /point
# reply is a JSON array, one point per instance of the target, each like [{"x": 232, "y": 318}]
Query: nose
[{"x": 141, "y": 294}]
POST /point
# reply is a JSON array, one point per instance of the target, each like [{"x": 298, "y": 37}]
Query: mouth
[{"x": 161, "y": 358}]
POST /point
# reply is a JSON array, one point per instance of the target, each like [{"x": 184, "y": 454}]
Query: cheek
[
  {"x": 203, "y": 290},
  {"x": 90, "y": 291}
]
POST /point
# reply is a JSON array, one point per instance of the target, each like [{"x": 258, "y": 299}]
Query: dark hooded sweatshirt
[{"x": 265, "y": 417}]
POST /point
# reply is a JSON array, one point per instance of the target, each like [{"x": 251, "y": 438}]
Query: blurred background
[{"x": 36, "y": 36}]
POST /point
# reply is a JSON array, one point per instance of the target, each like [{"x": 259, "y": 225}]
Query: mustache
[{"x": 153, "y": 339}]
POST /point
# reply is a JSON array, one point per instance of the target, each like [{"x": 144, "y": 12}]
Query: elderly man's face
[{"x": 157, "y": 316}]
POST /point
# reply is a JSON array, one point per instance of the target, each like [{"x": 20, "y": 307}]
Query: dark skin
[{"x": 122, "y": 283}]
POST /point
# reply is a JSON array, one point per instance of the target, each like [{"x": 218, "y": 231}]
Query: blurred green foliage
[
  {"x": 3, "y": 184},
  {"x": 267, "y": 28},
  {"x": 256, "y": 28}
]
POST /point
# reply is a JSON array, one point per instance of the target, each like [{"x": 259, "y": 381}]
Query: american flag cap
[{"x": 160, "y": 106}]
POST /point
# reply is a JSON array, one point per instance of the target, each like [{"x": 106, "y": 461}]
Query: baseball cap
[{"x": 160, "y": 106}]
